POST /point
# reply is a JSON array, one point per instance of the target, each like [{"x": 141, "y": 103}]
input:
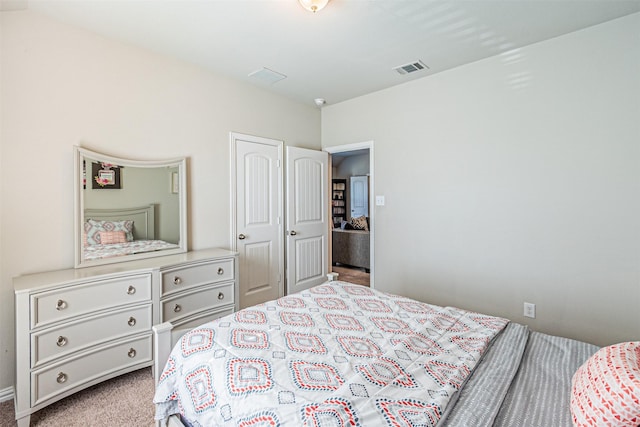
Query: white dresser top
[{"x": 31, "y": 282}]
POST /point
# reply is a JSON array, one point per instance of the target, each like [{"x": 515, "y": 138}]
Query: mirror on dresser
[{"x": 128, "y": 209}]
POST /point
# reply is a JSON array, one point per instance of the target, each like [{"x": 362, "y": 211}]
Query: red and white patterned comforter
[{"x": 336, "y": 355}]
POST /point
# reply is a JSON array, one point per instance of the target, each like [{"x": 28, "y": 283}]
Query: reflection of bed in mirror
[
  {"x": 151, "y": 193},
  {"x": 116, "y": 232}
]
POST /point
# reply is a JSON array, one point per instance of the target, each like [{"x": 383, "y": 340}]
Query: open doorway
[{"x": 352, "y": 225}]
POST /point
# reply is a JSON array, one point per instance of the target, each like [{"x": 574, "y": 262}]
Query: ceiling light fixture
[{"x": 313, "y": 5}]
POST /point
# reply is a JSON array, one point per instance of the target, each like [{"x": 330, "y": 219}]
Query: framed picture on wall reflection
[
  {"x": 175, "y": 183},
  {"x": 105, "y": 176}
]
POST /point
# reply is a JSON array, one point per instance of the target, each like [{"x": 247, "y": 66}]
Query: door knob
[
  {"x": 241, "y": 236},
  {"x": 292, "y": 233}
]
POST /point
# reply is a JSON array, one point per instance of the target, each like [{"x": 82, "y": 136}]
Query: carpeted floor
[{"x": 123, "y": 401}]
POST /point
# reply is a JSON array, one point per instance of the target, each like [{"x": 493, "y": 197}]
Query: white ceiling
[{"x": 346, "y": 50}]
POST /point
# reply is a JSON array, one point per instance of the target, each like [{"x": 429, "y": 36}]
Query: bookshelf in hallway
[{"x": 338, "y": 207}]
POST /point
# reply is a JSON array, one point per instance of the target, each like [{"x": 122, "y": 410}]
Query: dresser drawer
[
  {"x": 191, "y": 302},
  {"x": 60, "y": 341},
  {"x": 177, "y": 279},
  {"x": 90, "y": 366},
  {"x": 65, "y": 303}
]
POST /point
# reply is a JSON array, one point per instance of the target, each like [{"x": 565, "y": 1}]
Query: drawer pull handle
[
  {"x": 220, "y": 271},
  {"x": 177, "y": 280},
  {"x": 61, "y": 305},
  {"x": 177, "y": 308},
  {"x": 131, "y": 290},
  {"x": 132, "y": 321},
  {"x": 62, "y": 378},
  {"x": 132, "y": 353},
  {"x": 220, "y": 296},
  {"x": 62, "y": 341}
]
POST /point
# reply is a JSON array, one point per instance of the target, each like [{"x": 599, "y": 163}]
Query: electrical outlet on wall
[{"x": 529, "y": 310}]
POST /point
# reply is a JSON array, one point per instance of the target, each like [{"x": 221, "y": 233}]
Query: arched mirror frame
[{"x": 179, "y": 185}]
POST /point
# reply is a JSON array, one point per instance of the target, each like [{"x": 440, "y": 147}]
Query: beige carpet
[{"x": 123, "y": 401}]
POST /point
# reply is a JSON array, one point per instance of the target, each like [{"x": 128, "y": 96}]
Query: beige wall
[
  {"x": 63, "y": 86},
  {"x": 353, "y": 166},
  {"x": 513, "y": 179}
]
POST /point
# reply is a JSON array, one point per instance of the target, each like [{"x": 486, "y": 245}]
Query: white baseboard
[{"x": 6, "y": 394}]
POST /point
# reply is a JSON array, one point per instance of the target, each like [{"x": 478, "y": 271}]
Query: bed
[
  {"x": 345, "y": 355},
  {"x": 116, "y": 232}
]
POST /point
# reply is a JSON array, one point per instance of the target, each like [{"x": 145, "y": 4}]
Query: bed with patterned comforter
[
  {"x": 93, "y": 252},
  {"x": 345, "y": 355}
]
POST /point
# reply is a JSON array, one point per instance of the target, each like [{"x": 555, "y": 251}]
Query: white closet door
[
  {"x": 307, "y": 225},
  {"x": 258, "y": 218}
]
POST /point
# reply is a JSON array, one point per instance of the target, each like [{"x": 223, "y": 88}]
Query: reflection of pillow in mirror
[
  {"x": 111, "y": 237},
  {"x": 93, "y": 227}
]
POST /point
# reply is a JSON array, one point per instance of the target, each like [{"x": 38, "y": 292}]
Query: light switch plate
[{"x": 379, "y": 200}]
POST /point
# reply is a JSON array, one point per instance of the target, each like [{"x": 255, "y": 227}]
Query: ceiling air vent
[{"x": 411, "y": 67}]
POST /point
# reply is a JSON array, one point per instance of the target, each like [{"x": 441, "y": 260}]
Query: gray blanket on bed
[{"x": 524, "y": 380}]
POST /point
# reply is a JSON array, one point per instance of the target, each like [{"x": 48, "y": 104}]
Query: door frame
[
  {"x": 353, "y": 147},
  {"x": 233, "y": 243}
]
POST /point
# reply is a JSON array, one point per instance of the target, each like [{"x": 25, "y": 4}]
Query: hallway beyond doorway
[
  {"x": 352, "y": 274},
  {"x": 338, "y": 155}
]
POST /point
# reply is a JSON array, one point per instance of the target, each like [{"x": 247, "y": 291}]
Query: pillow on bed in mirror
[
  {"x": 93, "y": 228},
  {"x": 111, "y": 237},
  {"x": 360, "y": 223},
  {"x": 605, "y": 390}
]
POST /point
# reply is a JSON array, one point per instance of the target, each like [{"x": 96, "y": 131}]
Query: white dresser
[{"x": 78, "y": 327}]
